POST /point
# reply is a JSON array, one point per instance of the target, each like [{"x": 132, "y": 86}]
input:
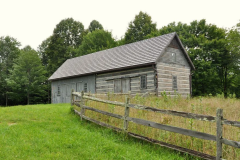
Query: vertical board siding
[
  {"x": 130, "y": 81},
  {"x": 66, "y": 86},
  {"x": 167, "y": 68}
]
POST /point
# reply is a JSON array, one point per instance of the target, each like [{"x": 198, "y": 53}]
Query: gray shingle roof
[{"x": 134, "y": 54}]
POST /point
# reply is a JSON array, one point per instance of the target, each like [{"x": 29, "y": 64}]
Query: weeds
[{"x": 198, "y": 105}]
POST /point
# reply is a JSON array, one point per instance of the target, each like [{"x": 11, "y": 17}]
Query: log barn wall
[
  {"x": 170, "y": 66},
  {"x": 129, "y": 80}
]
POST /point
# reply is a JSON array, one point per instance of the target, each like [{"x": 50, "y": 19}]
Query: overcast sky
[{"x": 32, "y": 21}]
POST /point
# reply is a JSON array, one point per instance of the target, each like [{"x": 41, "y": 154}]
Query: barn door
[
  {"x": 79, "y": 87},
  {"x": 121, "y": 85},
  {"x": 125, "y": 85},
  {"x": 117, "y": 86}
]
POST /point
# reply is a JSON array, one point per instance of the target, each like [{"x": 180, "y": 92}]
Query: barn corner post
[
  {"x": 219, "y": 118},
  {"x": 126, "y": 114},
  {"x": 82, "y": 105}
]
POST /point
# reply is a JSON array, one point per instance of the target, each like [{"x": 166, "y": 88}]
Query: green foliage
[
  {"x": 94, "y": 25},
  {"x": 42, "y": 51},
  {"x": 27, "y": 77},
  {"x": 96, "y": 41},
  {"x": 9, "y": 51},
  {"x": 213, "y": 55},
  {"x": 140, "y": 27},
  {"x": 65, "y": 39}
]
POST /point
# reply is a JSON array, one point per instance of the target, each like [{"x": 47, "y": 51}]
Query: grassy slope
[{"x": 51, "y": 132}]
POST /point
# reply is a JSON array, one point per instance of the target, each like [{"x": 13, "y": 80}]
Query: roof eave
[{"x": 110, "y": 70}]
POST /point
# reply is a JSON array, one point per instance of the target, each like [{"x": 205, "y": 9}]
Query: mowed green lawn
[{"x": 52, "y": 132}]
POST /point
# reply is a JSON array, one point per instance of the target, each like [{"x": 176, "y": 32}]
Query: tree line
[{"x": 215, "y": 52}]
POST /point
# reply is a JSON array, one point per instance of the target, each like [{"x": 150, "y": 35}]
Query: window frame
[
  {"x": 174, "y": 83},
  {"x": 141, "y": 82},
  {"x": 174, "y": 57},
  {"x": 85, "y": 87},
  {"x": 58, "y": 90}
]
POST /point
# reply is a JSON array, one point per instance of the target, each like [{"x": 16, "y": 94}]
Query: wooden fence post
[
  {"x": 72, "y": 97},
  {"x": 219, "y": 118},
  {"x": 126, "y": 114},
  {"x": 81, "y": 104}
]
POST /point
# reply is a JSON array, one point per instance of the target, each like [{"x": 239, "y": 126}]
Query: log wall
[
  {"x": 107, "y": 82},
  {"x": 168, "y": 67}
]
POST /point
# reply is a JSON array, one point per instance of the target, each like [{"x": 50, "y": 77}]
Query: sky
[{"x": 32, "y": 21}]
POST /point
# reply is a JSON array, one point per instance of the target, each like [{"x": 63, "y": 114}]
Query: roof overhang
[{"x": 100, "y": 72}]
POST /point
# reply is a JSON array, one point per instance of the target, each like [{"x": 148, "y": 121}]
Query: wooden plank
[
  {"x": 117, "y": 86},
  {"x": 175, "y": 113},
  {"x": 105, "y": 101},
  {"x": 126, "y": 114},
  {"x": 104, "y": 112},
  {"x": 174, "y": 147},
  {"x": 176, "y": 67},
  {"x": 105, "y": 87},
  {"x": 128, "y": 75},
  {"x": 98, "y": 122},
  {"x": 179, "y": 72},
  {"x": 231, "y": 123},
  {"x": 173, "y": 129},
  {"x": 136, "y": 70},
  {"x": 82, "y": 104},
  {"x": 78, "y": 94},
  {"x": 231, "y": 143},
  {"x": 219, "y": 117}
]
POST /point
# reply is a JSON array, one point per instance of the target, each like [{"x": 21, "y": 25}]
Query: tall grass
[{"x": 199, "y": 105}]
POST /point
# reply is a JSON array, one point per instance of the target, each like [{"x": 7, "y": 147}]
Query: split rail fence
[{"x": 218, "y": 120}]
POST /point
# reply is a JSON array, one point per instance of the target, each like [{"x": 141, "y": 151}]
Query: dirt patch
[{"x": 10, "y": 124}]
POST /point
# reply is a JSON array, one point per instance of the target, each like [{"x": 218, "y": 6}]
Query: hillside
[{"x": 52, "y": 132}]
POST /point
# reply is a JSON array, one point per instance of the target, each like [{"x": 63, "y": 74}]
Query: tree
[
  {"x": 27, "y": 77},
  {"x": 96, "y": 41},
  {"x": 9, "y": 51},
  {"x": 206, "y": 46},
  {"x": 63, "y": 43},
  {"x": 140, "y": 27},
  {"x": 94, "y": 25},
  {"x": 42, "y": 51},
  {"x": 233, "y": 61},
  {"x": 69, "y": 30},
  {"x": 45, "y": 60}
]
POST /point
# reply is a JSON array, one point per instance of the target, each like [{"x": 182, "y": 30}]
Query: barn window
[
  {"x": 174, "y": 57},
  {"x": 58, "y": 91},
  {"x": 144, "y": 82},
  {"x": 85, "y": 87},
  {"x": 174, "y": 80}
]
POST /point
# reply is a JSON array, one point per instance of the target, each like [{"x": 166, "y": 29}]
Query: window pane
[
  {"x": 58, "y": 91},
  {"x": 174, "y": 80},
  {"x": 143, "y": 82},
  {"x": 85, "y": 87}
]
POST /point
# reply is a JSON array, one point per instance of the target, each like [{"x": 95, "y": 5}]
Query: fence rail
[{"x": 126, "y": 119}]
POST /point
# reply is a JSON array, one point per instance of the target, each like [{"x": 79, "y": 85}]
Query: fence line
[{"x": 219, "y": 120}]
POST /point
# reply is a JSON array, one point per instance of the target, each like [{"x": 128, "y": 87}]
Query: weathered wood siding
[
  {"x": 169, "y": 66},
  {"x": 66, "y": 86},
  {"x": 128, "y": 79}
]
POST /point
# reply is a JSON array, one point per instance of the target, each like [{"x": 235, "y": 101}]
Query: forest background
[{"x": 215, "y": 52}]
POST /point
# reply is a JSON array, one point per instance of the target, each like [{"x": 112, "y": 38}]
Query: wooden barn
[{"x": 153, "y": 65}]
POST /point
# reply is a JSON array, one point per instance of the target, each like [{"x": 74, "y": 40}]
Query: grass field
[
  {"x": 52, "y": 132},
  {"x": 198, "y": 105}
]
